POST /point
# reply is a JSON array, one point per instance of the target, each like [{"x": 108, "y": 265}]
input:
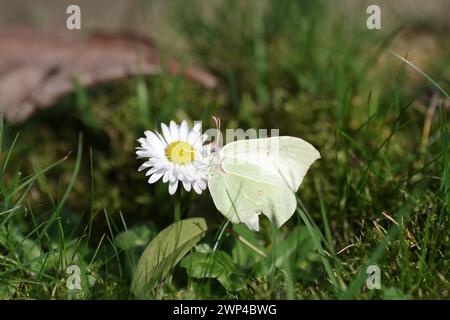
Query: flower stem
[{"x": 177, "y": 210}]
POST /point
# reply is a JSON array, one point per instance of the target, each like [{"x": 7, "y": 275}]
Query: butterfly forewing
[{"x": 287, "y": 157}]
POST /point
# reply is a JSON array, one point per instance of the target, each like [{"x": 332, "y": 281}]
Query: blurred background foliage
[{"x": 311, "y": 69}]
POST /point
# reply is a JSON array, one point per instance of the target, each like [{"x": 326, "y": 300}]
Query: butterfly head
[{"x": 214, "y": 148}]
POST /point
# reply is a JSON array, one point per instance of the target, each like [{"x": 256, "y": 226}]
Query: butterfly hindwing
[{"x": 245, "y": 190}]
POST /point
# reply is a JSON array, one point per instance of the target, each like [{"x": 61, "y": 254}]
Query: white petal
[
  {"x": 190, "y": 172},
  {"x": 155, "y": 141},
  {"x": 163, "y": 141},
  {"x": 155, "y": 177},
  {"x": 166, "y": 176},
  {"x": 201, "y": 184},
  {"x": 142, "y": 154},
  {"x": 253, "y": 222},
  {"x": 174, "y": 131},
  {"x": 193, "y": 136},
  {"x": 162, "y": 163},
  {"x": 173, "y": 187},
  {"x": 144, "y": 166},
  {"x": 143, "y": 142},
  {"x": 187, "y": 185},
  {"x": 197, "y": 127},
  {"x": 166, "y": 133},
  {"x": 153, "y": 170},
  {"x": 197, "y": 188},
  {"x": 148, "y": 153},
  {"x": 183, "y": 131}
]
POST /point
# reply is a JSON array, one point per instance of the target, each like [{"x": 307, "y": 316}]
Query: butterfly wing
[
  {"x": 260, "y": 176},
  {"x": 241, "y": 191},
  {"x": 287, "y": 157}
]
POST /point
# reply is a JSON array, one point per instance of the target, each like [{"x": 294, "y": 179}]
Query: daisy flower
[{"x": 178, "y": 155}]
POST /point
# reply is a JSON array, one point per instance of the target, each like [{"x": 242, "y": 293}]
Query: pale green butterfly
[{"x": 254, "y": 176}]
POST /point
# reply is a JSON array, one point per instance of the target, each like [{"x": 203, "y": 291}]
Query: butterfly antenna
[{"x": 217, "y": 121}]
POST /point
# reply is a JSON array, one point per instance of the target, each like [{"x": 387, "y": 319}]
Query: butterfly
[{"x": 259, "y": 176}]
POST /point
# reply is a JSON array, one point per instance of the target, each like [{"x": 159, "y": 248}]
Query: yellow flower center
[{"x": 180, "y": 152}]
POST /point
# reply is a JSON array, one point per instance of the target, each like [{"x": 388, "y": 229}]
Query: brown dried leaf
[{"x": 37, "y": 68}]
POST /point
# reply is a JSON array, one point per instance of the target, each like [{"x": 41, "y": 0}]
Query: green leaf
[
  {"x": 242, "y": 255},
  {"x": 132, "y": 238},
  {"x": 218, "y": 265},
  {"x": 202, "y": 265},
  {"x": 7, "y": 290},
  {"x": 164, "y": 252},
  {"x": 232, "y": 282},
  {"x": 297, "y": 248},
  {"x": 208, "y": 265},
  {"x": 393, "y": 293}
]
